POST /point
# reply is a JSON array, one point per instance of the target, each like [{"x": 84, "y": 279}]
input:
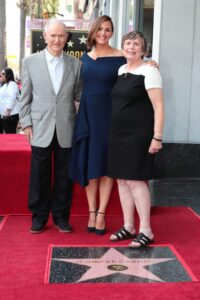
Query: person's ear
[{"x": 44, "y": 36}]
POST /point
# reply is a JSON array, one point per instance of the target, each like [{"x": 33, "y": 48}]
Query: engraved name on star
[
  {"x": 113, "y": 262},
  {"x": 83, "y": 39}
]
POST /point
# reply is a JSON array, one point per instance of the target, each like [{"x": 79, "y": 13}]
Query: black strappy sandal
[
  {"x": 142, "y": 239},
  {"x": 122, "y": 234},
  {"x": 100, "y": 231},
  {"x": 91, "y": 229}
]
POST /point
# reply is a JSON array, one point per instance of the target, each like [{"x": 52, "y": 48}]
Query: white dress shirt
[
  {"x": 55, "y": 67},
  {"x": 9, "y": 98}
]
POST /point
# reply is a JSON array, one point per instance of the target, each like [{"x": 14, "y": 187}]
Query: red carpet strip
[{"x": 24, "y": 258}]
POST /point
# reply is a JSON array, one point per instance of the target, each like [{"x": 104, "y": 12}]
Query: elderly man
[{"x": 50, "y": 85}]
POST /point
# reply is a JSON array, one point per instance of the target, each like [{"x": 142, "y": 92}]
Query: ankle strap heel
[
  {"x": 100, "y": 231},
  {"x": 92, "y": 229}
]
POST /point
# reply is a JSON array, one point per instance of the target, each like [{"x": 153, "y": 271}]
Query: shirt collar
[{"x": 51, "y": 58}]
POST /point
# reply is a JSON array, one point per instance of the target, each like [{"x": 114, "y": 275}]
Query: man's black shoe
[
  {"x": 63, "y": 226},
  {"x": 37, "y": 226}
]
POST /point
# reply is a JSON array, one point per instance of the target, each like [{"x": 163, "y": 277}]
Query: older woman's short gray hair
[{"x": 135, "y": 35}]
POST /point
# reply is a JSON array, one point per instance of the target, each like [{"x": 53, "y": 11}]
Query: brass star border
[{"x": 106, "y": 264}]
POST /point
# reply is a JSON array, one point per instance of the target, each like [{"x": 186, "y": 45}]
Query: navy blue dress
[{"x": 90, "y": 143}]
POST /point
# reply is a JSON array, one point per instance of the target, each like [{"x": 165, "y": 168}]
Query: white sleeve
[
  {"x": 152, "y": 78},
  {"x": 121, "y": 70},
  {"x": 13, "y": 93}
]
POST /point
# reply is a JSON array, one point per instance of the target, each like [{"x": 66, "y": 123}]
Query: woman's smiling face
[
  {"x": 104, "y": 33},
  {"x": 133, "y": 49}
]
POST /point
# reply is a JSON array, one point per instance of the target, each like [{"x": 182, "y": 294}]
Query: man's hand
[{"x": 28, "y": 133}]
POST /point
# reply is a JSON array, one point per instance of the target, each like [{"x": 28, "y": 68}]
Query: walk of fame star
[
  {"x": 129, "y": 266},
  {"x": 105, "y": 264}
]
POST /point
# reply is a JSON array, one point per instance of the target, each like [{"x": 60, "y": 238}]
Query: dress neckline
[
  {"x": 134, "y": 69},
  {"x": 100, "y": 57}
]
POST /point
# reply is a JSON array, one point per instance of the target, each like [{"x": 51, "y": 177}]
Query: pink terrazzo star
[{"x": 113, "y": 262}]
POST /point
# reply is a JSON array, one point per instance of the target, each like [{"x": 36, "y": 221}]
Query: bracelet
[{"x": 156, "y": 139}]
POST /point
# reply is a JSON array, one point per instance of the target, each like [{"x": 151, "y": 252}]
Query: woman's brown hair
[{"x": 95, "y": 27}]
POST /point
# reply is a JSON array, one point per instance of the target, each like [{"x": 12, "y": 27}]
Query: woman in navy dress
[
  {"x": 135, "y": 136},
  {"x": 90, "y": 147}
]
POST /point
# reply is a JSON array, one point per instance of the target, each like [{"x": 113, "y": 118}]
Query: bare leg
[
  {"x": 128, "y": 206},
  {"x": 91, "y": 192},
  {"x": 141, "y": 195},
  {"x": 105, "y": 188}
]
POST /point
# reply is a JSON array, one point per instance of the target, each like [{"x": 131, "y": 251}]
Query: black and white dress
[{"x": 132, "y": 124}]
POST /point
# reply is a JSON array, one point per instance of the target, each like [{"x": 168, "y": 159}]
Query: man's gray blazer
[{"x": 41, "y": 108}]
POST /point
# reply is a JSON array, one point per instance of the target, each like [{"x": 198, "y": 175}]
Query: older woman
[
  {"x": 135, "y": 136},
  {"x": 9, "y": 102}
]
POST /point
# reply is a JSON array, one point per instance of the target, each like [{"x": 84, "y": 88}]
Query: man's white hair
[{"x": 53, "y": 21}]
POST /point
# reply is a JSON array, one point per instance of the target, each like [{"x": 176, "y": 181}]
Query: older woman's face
[{"x": 133, "y": 49}]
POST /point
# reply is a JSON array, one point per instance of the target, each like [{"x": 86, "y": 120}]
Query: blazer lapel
[{"x": 67, "y": 66}]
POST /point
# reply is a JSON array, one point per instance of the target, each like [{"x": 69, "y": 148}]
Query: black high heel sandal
[
  {"x": 100, "y": 231},
  {"x": 92, "y": 229}
]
